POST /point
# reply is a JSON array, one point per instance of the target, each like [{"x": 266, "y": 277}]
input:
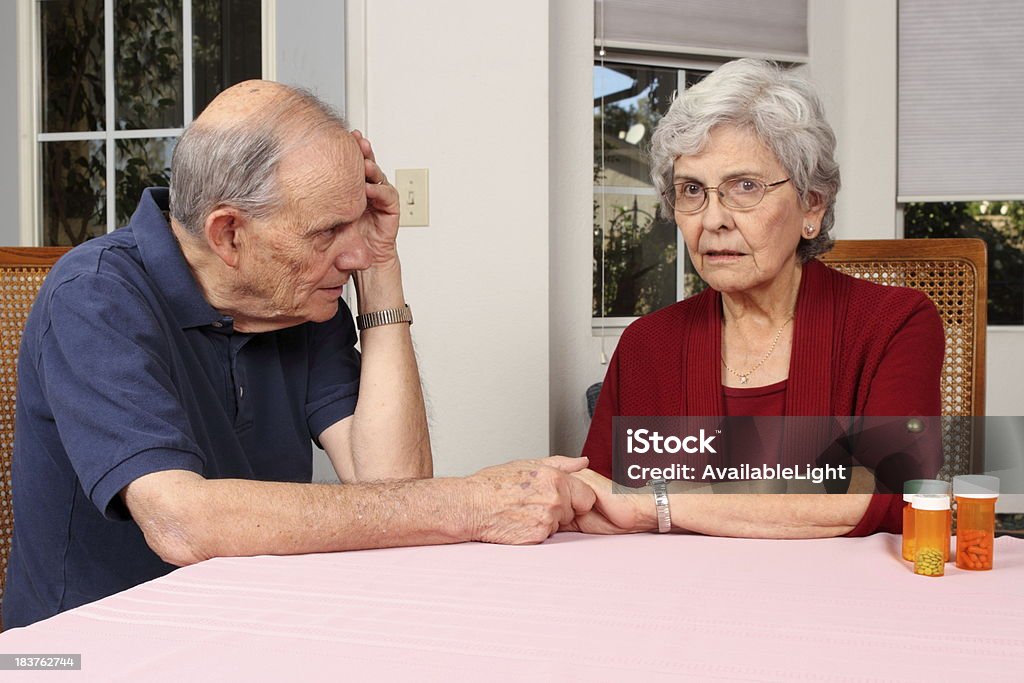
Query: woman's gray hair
[
  {"x": 236, "y": 165},
  {"x": 779, "y": 107}
]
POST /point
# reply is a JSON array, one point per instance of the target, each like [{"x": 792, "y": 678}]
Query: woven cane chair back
[
  {"x": 953, "y": 273},
  {"x": 22, "y": 270}
]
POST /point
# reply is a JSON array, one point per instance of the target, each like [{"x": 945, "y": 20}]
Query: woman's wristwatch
[{"x": 660, "y": 487}]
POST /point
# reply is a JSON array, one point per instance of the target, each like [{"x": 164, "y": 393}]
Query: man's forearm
[
  {"x": 287, "y": 518},
  {"x": 389, "y": 436},
  {"x": 186, "y": 518}
]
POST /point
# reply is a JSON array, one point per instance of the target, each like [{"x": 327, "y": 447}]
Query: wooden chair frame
[
  {"x": 954, "y": 275},
  {"x": 22, "y": 270}
]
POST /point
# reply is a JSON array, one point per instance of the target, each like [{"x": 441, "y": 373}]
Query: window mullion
[
  {"x": 111, "y": 100},
  {"x": 186, "y": 64},
  {"x": 137, "y": 133},
  {"x": 74, "y": 135},
  {"x": 31, "y": 214}
]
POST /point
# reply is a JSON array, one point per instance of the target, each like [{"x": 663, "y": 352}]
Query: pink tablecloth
[{"x": 642, "y": 607}]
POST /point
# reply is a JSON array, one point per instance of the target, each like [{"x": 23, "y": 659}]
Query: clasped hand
[
  {"x": 613, "y": 513},
  {"x": 526, "y": 501}
]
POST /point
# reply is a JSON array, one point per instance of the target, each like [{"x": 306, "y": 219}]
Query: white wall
[
  {"x": 310, "y": 49},
  {"x": 461, "y": 87},
  {"x": 852, "y": 47},
  {"x": 575, "y": 351},
  {"x": 9, "y": 169},
  {"x": 1004, "y": 372}
]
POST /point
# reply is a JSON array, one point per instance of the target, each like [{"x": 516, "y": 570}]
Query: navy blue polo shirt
[{"x": 126, "y": 370}]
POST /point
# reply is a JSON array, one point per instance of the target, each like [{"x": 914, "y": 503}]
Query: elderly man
[{"x": 173, "y": 372}]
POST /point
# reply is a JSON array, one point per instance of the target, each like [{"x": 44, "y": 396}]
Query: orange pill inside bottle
[
  {"x": 976, "y": 497},
  {"x": 911, "y": 488},
  {"x": 931, "y": 534}
]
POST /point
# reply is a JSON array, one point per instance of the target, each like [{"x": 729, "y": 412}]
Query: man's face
[{"x": 295, "y": 262}]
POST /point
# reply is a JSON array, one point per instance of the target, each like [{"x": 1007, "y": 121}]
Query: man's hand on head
[{"x": 380, "y": 222}]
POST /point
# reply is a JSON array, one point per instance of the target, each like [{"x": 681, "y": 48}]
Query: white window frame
[
  {"x": 29, "y": 63},
  {"x": 613, "y": 326}
]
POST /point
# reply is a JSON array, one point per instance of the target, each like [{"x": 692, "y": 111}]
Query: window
[
  {"x": 116, "y": 88},
  {"x": 1001, "y": 225},
  {"x": 636, "y": 266},
  {"x": 961, "y": 135}
]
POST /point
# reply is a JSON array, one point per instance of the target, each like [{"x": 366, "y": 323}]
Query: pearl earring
[{"x": 809, "y": 230}]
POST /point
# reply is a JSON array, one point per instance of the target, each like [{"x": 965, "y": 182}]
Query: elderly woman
[{"x": 744, "y": 161}]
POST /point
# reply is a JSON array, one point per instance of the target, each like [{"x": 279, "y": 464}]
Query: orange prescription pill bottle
[
  {"x": 911, "y": 488},
  {"x": 931, "y": 533},
  {"x": 976, "y": 496}
]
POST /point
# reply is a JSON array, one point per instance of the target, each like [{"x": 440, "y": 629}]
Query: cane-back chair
[
  {"x": 953, "y": 273},
  {"x": 22, "y": 270}
]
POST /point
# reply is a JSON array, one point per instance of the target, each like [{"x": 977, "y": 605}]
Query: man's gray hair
[
  {"x": 236, "y": 164},
  {"x": 780, "y": 108}
]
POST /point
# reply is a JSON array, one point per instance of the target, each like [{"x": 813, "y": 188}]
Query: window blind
[
  {"x": 961, "y": 100},
  {"x": 730, "y": 28}
]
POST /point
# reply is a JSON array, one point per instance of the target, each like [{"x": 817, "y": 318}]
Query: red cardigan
[{"x": 858, "y": 349}]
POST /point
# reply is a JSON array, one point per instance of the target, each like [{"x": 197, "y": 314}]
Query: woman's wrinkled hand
[{"x": 628, "y": 511}]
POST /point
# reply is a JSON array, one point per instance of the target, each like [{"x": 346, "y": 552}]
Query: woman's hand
[
  {"x": 380, "y": 222},
  {"x": 627, "y": 512}
]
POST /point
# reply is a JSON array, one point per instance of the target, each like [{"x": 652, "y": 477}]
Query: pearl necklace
[{"x": 744, "y": 376}]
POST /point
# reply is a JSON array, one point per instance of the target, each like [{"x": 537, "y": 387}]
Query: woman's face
[{"x": 742, "y": 250}]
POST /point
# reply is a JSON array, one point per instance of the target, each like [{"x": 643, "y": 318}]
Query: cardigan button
[{"x": 915, "y": 426}]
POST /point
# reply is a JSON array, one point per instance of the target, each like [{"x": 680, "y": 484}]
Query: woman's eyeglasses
[{"x": 737, "y": 193}]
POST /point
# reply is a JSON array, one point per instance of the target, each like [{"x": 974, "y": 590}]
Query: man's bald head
[
  {"x": 256, "y": 102},
  {"x": 241, "y": 101},
  {"x": 230, "y": 155}
]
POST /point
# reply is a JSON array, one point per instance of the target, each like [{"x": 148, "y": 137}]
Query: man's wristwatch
[
  {"x": 660, "y": 487},
  {"x": 389, "y": 316}
]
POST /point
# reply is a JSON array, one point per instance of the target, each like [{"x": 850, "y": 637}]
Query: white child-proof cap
[
  {"x": 914, "y": 487},
  {"x": 930, "y": 501},
  {"x": 976, "y": 486}
]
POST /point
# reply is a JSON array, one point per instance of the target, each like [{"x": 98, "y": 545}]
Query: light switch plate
[{"x": 414, "y": 195}]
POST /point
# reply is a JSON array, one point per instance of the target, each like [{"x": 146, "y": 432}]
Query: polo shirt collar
[{"x": 163, "y": 260}]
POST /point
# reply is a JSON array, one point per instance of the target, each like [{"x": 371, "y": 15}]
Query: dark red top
[
  {"x": 858, "y": 349},
  {"x": 768, "y": 400}
]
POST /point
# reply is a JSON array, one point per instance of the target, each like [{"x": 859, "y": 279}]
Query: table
[{"x": 642, "y": 607}]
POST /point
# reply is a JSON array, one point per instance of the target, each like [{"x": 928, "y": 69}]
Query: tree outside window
[
  {"x": 1001, "y": 225},
  {"x": 111, "y": 111},
  {"x": 636, "y": 248}
]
